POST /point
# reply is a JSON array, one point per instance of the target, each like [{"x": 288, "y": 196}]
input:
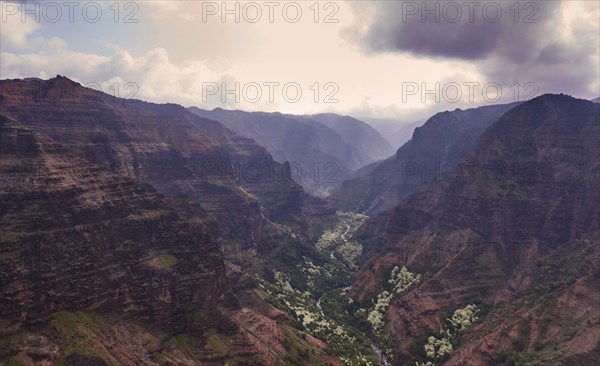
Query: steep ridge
[
  {"x": 137, "y": 233},
  {"x": 427, "y": 158},
  {"x": 129, "y": 226},
  {"x": 320, "y": 156},
  {"x": 175, "y": 151},
  {"x": 515, "y": 234}
]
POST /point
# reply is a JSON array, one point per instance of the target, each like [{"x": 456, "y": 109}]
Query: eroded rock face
[
  {"x": 165, "y": 145},
  {"x": 77, "y": 236},
  {"x": 521, "y": 243},
  {"x": 118, "y": 209}
]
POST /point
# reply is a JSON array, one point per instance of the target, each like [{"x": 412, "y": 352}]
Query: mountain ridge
[
  {"x": 319, "y": 152},
  {"x": 501, "y": 243},
  {"x": 441, "y": 141}
]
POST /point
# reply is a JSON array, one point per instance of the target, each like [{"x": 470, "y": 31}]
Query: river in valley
[{"x": 383, "y": 361}]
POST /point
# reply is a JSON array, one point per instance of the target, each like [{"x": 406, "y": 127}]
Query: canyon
[{"x": 136, "y": 233}]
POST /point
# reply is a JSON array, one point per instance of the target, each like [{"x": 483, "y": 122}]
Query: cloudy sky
[{"x": 368, "y": 59}]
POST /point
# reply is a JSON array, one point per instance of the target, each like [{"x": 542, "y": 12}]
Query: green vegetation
[
  {"x": 439, "y": 347},
  {"x": 182, "y": 342},
  {"x": 322, "y": 279},
  {"x": 350, "y": 252},
  {"x": 76, "y": 329},
  {"x": 299, "y": 350},
  {"x": 337, "y": 241},
  {"x": 167, "y": 260},
  {"x": 14, "y": 360},
  {"x": 400, "y": 281},
  {"x": 6, "y": 257},
  {"x": 342, "y": 341},
  {"x": 67, "y": 321},
  {"x": 245, "y": 361},
  {"x": 219, "y": 344},
  {"x": 543, "y": 352}
]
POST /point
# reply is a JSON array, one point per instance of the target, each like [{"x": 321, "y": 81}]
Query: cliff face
[
  {"x": 516, "y": 233},
  {"x": 75, "y": 236},
  {"x": 122, "y": 222},
  {"x": 168, "y": 147},
  {"x": 52, "y": 202},
  {"x": 429, "y": 157}
]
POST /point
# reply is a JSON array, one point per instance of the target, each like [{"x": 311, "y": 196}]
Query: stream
[
  {"x": 345, "y": 232},
  {"x": 320, "y": 308},
  {"x": 383, "y": 361},
  {"x": 331, "y": 255}
]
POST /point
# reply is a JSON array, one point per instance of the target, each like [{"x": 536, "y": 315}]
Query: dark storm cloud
[
  {"x": 509, "y": 41},
  {"x": 459, "y": 29}
]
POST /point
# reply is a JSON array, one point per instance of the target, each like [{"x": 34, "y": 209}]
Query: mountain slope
[
  {"x": 428, "y": 157},
  {"x": 320, "y": 156},
  {"x": 519, "y": 243},
  {"x": 131, "y": 233},
  {"x": 175, "y": 151},
  {"x": 75, "y": 236},
  {"x": 367, "y": 141}
]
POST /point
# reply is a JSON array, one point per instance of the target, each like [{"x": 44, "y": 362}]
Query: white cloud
[
  {"x": 14, "y": 31},
  {"x": 156, "y": 76},
  {"x": 170, "y": 54}
]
